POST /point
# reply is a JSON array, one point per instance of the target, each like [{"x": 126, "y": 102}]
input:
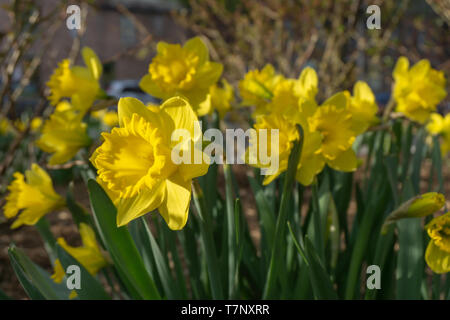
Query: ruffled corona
[{"x": 133, "y": 156}]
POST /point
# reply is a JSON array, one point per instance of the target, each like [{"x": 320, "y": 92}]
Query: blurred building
[{"x": 110, "y": 34}]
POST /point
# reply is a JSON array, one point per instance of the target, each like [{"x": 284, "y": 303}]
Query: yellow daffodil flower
[
  {"x": 63, "y": 135},
  {"x": 363, "y": 107},
  {"x": 418, "y": 90},
  {"x": 76, "y": 82},
  {"x": 181, "y": 70},
  {"x": 256, "y": 89},
  {"x": 334, "y": 121},
  {"x": 134, "y": 162},
  {"x": 437, "y": 254},
  {"x": 109, "y": 118},
  {"x": 439, "y": 125},
  {"x": 89, "y": 254},
  {"x": 32, "y": 195}
]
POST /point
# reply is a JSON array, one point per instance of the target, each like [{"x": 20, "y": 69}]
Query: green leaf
[
  {"x": 208, "y": 242},
  {"x": 275, "y": 259},
  {"x": 410, "y": 265},
  {"x": 436, "y": 158},
  {"x": 78, "y": 213},
  {"x": 267, "y": 218},
  {"x": 36, "y": 282},
  {"x": 32, "y": 292},
  {"x": 373, "y": 212},
  {"x": 319, "y": 278},
  {"x": 120, "y": 245},
  {"x": 90, "y": 287},
  {"x": 231, "y": 231},
  {"x": 148, "y": 243}
]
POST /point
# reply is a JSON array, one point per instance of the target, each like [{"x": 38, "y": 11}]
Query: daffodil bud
[{"x": 419, "y": 206}]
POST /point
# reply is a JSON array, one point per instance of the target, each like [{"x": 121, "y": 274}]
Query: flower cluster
[{"x": 329, "y": 129}]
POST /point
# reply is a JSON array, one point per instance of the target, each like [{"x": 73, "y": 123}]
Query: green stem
[
  {"x": 280, "y": 228},
  {"x": 231, "y": 240},
  {"x": 388, "y": 110},
  {"x": 317, "y": 220},
  {"x": 208, "y": 242}
]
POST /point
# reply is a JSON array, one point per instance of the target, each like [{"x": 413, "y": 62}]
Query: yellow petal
[
  {"x": 209, "y": 74},
  {"x": 401, "y": 68},
  {"x": 193, "y": 170},
  {"x": 151, "y": 87},
  {"x": 37, "y": 177},
  {"x": 205, "y": 107},
  {"x": 92, "y": 62},
  {"x": 437, "y": 259},
  {"x": 345, "y": 161},
  {"x": 128, "y": 106},
  {"x": 175, "y": 207},
  {"x": 201, "y": 50},
  {"x": 270, "y": 177},
  {"x": 362, "y": 92},
  {"x": 307, "y": 85},
  {"x": 420, "y": 69},
  {"x": 144, "y": 202},
  {"x": 339, "y": 100},
  {"x": 58, "y": 272},
  {"x": 87, "y": 236},
  {"x": 73, "y": 294},
  {"x": 182, "y": 115}
]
